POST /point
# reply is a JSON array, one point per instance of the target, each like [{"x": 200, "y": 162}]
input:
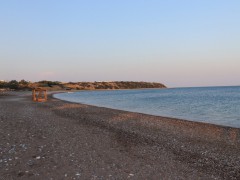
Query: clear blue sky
[{"x": 178, "y": 43}]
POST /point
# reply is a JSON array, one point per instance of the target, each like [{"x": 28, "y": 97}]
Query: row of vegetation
[
  {"x": 26, "y": 85},
  {"x": 14, "y": 84},
  {"x": 118, "y": 85},
  {"x": 56, "y": 85}
]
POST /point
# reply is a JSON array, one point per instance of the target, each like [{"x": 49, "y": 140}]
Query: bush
[
  {"x": 3, "y": 84},
  {"x": 23, "y": 82},
  {"x": 49, "y": 83},
  {"x": 13, "y": 84}
]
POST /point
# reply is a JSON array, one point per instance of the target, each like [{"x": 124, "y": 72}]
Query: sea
[{"x": 215, "y": 105}]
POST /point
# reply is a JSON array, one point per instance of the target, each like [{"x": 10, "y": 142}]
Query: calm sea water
[{"x": 216, "y": 105}]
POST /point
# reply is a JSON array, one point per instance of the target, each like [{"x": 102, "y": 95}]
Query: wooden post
[
  {"x": 45, "y": 95},
  {"x": 33, "y": 95}
]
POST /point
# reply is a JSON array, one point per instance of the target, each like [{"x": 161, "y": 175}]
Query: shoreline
[
  {"x": 159, "y": 116},
  {"x": 110, "y": 144},
  {"x": 228, "y": 133}
]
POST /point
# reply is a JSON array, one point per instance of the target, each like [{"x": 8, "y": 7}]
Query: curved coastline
[
  {"x": 186, "y": 139},
  {"x": 112, "y": 141},
  {"x": 161, "y": 116},
  {"x": 200, "y": 130}
]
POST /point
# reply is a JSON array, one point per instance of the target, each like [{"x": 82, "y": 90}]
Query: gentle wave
[{"x": 216, "y": 105}]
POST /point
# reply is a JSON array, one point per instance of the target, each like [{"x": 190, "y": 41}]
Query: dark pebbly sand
[{"x": 62, "y": 140}]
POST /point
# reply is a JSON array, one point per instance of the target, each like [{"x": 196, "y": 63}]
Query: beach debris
[
  {"x": 12, "y": 150},
  {"x": 130, "y": 175},
  {"x": 30, "y": 163},
  {"x": 38, "y": 157},
  {"x": 78, "y": 174},
  {"x": 23, "y": 146}
]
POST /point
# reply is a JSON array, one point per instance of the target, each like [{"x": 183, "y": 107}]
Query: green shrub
[{"x": 13, "y": 84}]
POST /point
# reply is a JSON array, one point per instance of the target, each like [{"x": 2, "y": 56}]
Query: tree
[
  {"x": 13, "y": 84},
  {"x": 23, "y": 82},
  {"x": 3, "y": 84}
]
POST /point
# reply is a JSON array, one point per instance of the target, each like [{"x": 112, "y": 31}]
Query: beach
[{"x": 63, "y": 140}]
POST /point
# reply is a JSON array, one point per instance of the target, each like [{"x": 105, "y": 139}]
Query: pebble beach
[{"x": 63, "y": 140}]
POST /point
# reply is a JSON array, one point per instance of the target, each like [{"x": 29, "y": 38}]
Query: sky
[{"x": 178, "y": 43}]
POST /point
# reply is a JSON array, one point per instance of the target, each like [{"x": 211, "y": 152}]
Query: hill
[{"x": 56, "y": 85}]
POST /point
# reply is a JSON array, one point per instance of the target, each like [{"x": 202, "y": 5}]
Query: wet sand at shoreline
[{"x": 62, "y": 140}]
